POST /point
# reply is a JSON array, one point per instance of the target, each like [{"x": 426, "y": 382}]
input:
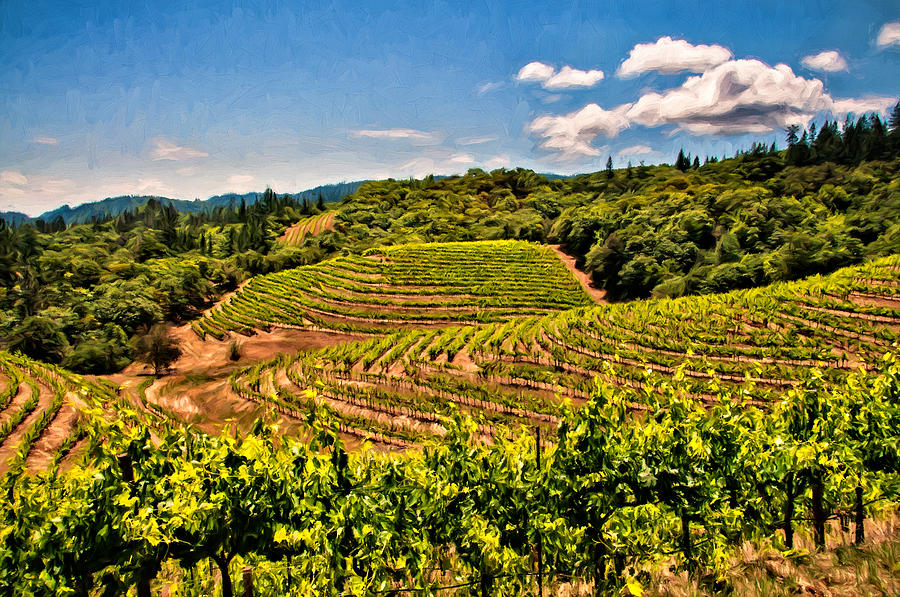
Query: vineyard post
[
  {"x": 818, "y": 511},
  {"x": 860, "y": 517},
  {"x": 248, "y": 581},
  {"x": 789, "y": 511},
  {"x": 540, "y": 550},
  {"x": 124, "y": 460},
  {"x": 686, "y": 539}
]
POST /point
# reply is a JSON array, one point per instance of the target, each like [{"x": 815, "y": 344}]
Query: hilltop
[{"x": 113, "y": 206}]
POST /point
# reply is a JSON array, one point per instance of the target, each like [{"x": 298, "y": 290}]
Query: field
[
  {"x": 311, "y": 226},
  {"x": 422, "y": 285},
  {"x": 397, "y": 389}
]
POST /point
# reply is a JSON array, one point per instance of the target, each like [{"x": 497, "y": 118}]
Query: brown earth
[
  {"x": 597, "y": 294},
  {"x": 196, "y": 388}
]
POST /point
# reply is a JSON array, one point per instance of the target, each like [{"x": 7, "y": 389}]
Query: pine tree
[
  {"x": 682, "y": 162},
  {"x": 609, "y": 167},
  {"x": 696, "y": 163}
]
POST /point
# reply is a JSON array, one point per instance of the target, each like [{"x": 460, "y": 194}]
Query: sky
[{"x": 189, "y": 100}]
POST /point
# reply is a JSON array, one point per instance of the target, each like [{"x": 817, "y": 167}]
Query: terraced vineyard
[
  {"x": 755, "y": 343},
  {"x": 40, "y": 413},
  {"x": 420, "y": 285},
  {"x": 311, "y": 226}
]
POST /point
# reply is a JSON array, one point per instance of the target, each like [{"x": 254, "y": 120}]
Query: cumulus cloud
[
  {"x": 46, "y": 140},
  {"x": 535, "y": 71},
  {"x": 862, "y": 105},
  {"x": 889, "y": 35},
  {"x": 829, "y": 61},
  {"x": 566, "y": 78},
  {"x": 740, "y": 96},
  {"x": 670, "y": 56},
  {"x": 572, "y": 134},
  {"x": 166, "y": 150}
]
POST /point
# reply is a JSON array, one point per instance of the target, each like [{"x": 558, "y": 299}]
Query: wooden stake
[{"x": 248, "y": 581}]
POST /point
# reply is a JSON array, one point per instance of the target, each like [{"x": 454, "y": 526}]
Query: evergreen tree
[
  {"x": 682, "y": 162},
  {"x": 609, "y": 167}
]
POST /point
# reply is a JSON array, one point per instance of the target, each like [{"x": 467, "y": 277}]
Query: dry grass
[{"x": 843, "y": 570}]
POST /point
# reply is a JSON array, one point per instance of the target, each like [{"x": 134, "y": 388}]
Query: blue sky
[{"x": 193, "y": 99}]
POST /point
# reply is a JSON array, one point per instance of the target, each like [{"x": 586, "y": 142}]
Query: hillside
[
  {"x": 401, "y": 386},
  {"x": 44, "y": 414},
  {"x": 402, "y": 286}
]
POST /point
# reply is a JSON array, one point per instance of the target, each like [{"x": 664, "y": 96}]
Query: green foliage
[
  {"x": 614, "y": 493},
  {"x": 665, "y": 233},
  {"x": 157, "y": 348}
]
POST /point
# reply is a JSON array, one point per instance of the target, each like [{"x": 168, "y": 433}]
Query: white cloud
[
  {"x": 152, "y": 186},
  {"x": 240, "y": 179},
  {"x": 670, "y": 56},
  {"x": 572, "y": 134},
  {"x": 535, "y": 71},
  {"x": 461, "y": 158},
  {"x": 566, "y": 78},
  {"x": 860, "y": 106},
  {"x": 188, "y": 171},
  {"x": 829, "y": 61},
  {"x": 889, "y": 35},
  {"x": 394, "y": 134},
  {"x": 166, "y": 150},
  {"x": 636, "y": 150},
  {"x": 46, "y": 140},
  {"x": 475, "y": 140},
  {"x": 13, "y": 177},
  {"x": 498, "y": 161},
  {"x": 740, "y": 96},
  {"x": 572, "y": 77},
  {"x": 15, "y": 184}
]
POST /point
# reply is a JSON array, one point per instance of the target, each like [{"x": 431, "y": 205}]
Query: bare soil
[
  {"x": 597, "y": 294},
  {"x": 196, "y": 388}
]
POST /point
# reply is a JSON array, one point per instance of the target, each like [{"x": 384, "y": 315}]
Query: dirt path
[
  {"x": 597, "y": 294},
  {"x": 46, "y": 447},
  {"x": 11, "y": 443}
]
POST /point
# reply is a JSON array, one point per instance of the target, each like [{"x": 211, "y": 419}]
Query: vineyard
[
  {"x": 603, "y": 500},
  {"x": 311, "y": 226},
  {"x": 400, "y": 388},
  {"x": 424, "y": 285},
  {"x": 559, "y": 445},
  {"x": 42, "y": 425}
]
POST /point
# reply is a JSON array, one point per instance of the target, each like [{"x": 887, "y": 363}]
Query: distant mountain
[
  {"x": 113, "y": 206},
  {"x": 13, "y": 217}
]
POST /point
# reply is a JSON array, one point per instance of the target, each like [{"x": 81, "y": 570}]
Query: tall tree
[{"x": 157, "y": 348}]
